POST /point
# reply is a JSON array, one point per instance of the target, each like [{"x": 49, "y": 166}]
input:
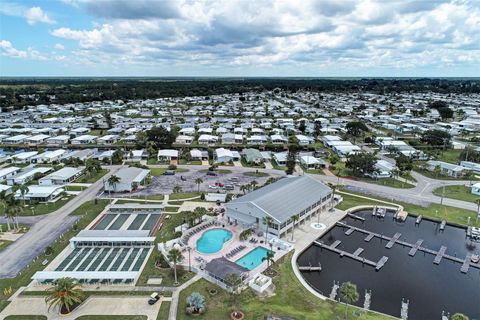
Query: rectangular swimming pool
[{"x": 253, "y": 258}]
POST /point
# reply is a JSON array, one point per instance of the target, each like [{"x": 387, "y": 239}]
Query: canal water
[{"x": 429, "y": 288}]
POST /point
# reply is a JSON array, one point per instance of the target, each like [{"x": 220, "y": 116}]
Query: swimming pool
[
  {"x": 253, "y": 258},
  {"x": 212, "y": 240}
]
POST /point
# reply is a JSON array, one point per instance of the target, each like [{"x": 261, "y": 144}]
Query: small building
[
  {"x": 40, "y": 193},
  {"x": 49, "y": 156},
  {"x": 384, "y": 169},
  {"x": 27, "y": 175},
  {"x": 130, "y": 178},
  {"x": 472, "y": 166},
  {"x": 8, "y": 172},
  {"x": 198, "y": 155},
  {"x": 231, "y": 138},
  {"x": 252, "y": 156},
  {"x": 310, "y": 162},
  {"x": 223, "y": 155},
  {"x": 167, "y": 155},
  {"x": 24, "y": 157},
  {"x": 61, "y": 177},
  {"x": 448, "y": 169},
  {"x": 18, "y": 139},
  {"x": 280, "y": 158},
  {"x": 207, "y": 139},
  {"x": 37, "y": 139},
  {"x": 184, "y": 139},
  {"x": 135, "y": 155},
  {"x": 58, "y": 140},
  {"x": 108, "y": 139},
  {"x": 84, "y": 139},
  {"x": 280, "y": 201},
  {"x": 218, "y": 269}
]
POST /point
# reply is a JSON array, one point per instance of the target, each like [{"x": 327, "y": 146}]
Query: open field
[{"x": 457, "y": 192}]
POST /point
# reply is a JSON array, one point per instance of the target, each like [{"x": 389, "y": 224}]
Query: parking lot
[{"x": 165, "y": 184}]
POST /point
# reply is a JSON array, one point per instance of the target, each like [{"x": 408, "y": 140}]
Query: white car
[{"x": 212, "y": 187}]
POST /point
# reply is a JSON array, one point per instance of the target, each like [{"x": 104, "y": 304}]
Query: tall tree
[
  {"x": 162, "y": 137},
  {"x": 65, "y": 294},
  {"x": 113, "y": 181},
  {"x": 356, "y": 128},
  {"x": 269, "y": 258},
  {"x": 436, "y": 138},
  {"x": 267, "y": 221},
  {"x": 175, "y": 256},
  {"x": 361, "y": 163},
  {"x": 348, "y": 294},
  {"x": 198, "y": 181}
]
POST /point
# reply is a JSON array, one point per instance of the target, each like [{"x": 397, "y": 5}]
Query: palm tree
[
  {"x": 23, "y": 190},
  {"x": 198, "y": 181},
  {"x": 65, "y": 294},
  {"x": 113, "y": 180},
  {"x": 294, "y": 218},
  {"x": 175, "y": 256},
  {"x": 177, "y": 189},
  {"x": 243, "y": 188},
  {"x": 267, "y": 221},
  {"x": 253, "y": 184},
  {"x": 269, "y": 258},
  {"x": 459, "y": 316},
  {"x": 333, "y": 187},
  {"x": 437, "y": 170},
  {"x": 12, "y": 213},
  {"x": 348, "y": 294}
]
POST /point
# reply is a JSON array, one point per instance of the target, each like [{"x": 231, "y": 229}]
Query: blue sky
[{"x": 240, "y": 38}]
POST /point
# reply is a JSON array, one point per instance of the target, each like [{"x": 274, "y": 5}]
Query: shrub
[{"x": 196, "y": 303}]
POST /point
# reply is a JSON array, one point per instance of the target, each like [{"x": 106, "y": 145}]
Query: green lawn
[
  {"x": 21, "y": 317},
  {"x": 184, "y": 195},
  {"x": 99, "y": 317},
  {"x": 291, "y": 299},
  {"x": 157, "y": 171},
  {"x": 166, "y": 232},
  {"x": 75, "y": 188},
  {"x": 92, "y": 178},
  {"x": 451, "y": 156},
  {"x": 389, "y": 182},
  {"x": 164, "y": 310},
  {"x": 463, "y": 193},
  {"x": 171, "y": 209},
  {"x": 44, "y": 208},
  {"x": 434, "y": 211},
  {"x": 195, "y": 162},
  {"x": 88, "y": 211},
  {"x": 23, "y": 228},
  {"x": 4, "y": 244}
]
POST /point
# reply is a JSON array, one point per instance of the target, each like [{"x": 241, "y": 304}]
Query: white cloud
[
  {"x": 36, "y": 14},
  {"x": 59, "y": 46},
  {"x": 361, "y": 33},
  {"x": 7, "y": 49}
]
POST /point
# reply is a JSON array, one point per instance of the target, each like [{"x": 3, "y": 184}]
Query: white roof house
[
  {"x": 40, "y": 193},
  {"x": 16, "y": 139},
  {"x": 207, "y": 139},
  {"x": 39, "y": 138},
  {"x": 60, "y": 177},
  {"x": 49, "y": 156},
  {"x": 476, "y": 188},
  {"x": 167, "y": 154},
  {"x": 26, "y": 176},
  {"x": 62, "y": 139},
  {"x": 223, "y": 155},
  {"x": 84, "y": 139},
  {"x": 8, "y": 172},
  {"x": 108, "y": 139},
  {"x": 130, "y": 178},
  {"x": 23, "y": 157}
]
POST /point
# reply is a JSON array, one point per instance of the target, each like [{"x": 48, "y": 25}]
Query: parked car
[
  {"x": 234, "y": 179},
  {"x": 169, "y": 173},
  {"x": 211, "y": 173},
  {"x": 218, "y": 184},
  {"x": 212, "y": 187},
  {"x": 154, "y": 297},
  {"x": 183, "y": 178},
  {"x": 229, "y": 187}
]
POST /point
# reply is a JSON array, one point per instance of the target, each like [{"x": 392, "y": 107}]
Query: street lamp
[{"x": 189, "y": 264}]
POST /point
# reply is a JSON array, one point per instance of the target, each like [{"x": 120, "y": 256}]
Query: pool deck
[{"x": 233, "y": 243}]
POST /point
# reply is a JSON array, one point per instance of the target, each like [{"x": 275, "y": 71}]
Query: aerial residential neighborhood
[{"x": 242, "y": 160}]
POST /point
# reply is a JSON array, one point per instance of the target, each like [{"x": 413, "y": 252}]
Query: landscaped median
[{"x": 291, "y": 299}]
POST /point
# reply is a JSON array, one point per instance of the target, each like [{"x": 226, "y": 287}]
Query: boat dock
[
  {"x": 368, "y": 299},
  {"x": 351, "y": 215},
  {"x": 333, "y": 293},
  {"x": 393, "y": 240},
  {"x": 355, "y": 256},
  {"x": 349, "y": 232},
  {"x": 404, "y": 309},
  {"x": 310, "y": 268},
  {"x": 439, "y": 255},
  {"x": 415, "y": 247},
  {"x": 466, "y": 264}
]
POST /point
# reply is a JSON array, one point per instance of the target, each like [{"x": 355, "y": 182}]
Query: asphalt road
[{"x": 44, "y": 231}]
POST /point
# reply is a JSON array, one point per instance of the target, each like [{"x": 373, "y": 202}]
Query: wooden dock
[
  {"x": 355, "y": 256},
  {"x": 440, "y": 255},
  {"x": 310, "y": 268},
  {"x": 336, "y": 243},
  {"x": 415, "y": 247},
  {"x": 381, "y": 263},
  {"x": 358, "y": 252},
  {"x": 349, "y": 231},
  {"x": 354, "y": 216},
  {"x": 466, "y": 264},
  {"x": 393, "y": 240}
]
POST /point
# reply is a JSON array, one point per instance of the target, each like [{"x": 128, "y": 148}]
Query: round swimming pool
[{"x": 212, "y": 240}]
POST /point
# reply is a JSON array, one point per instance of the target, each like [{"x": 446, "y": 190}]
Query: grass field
[
  {"x": 25, "y": 317},
  {"x": 166, "y": 232},
  {"x": 184, "y": 195},
  {"x": 44, "y": 208},
  {"x": 88, "y": 211},
  {"x": 451, "y": 156},
  {"x": 75, "y": 188},
  {"x": 99, "y": 317},
  {"x": 291, "y": 299},
  {"x": 164, "y": 310},
  {"x": 433, "y": 211},
  {"x": 389, "y": 182},
  {"x": 457, "y": 192},
  {"x": 4, "y": 244}
]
